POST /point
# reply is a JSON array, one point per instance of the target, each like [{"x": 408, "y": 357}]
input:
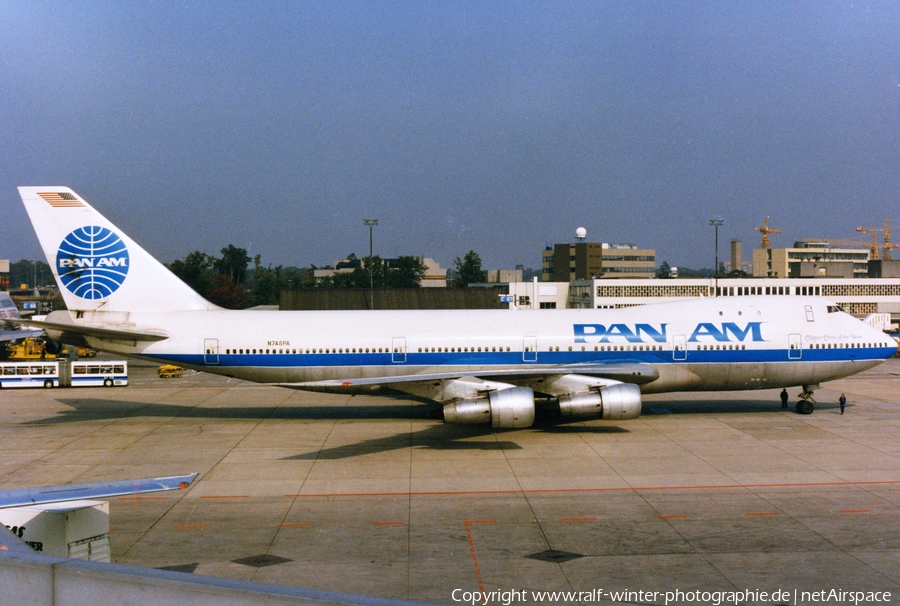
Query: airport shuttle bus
[
  {"x": 104, "y": 373},
  {"x": 29, "y": 374}
]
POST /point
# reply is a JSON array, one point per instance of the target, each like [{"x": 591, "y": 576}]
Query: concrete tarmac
[{"x": 717, "y": 492}]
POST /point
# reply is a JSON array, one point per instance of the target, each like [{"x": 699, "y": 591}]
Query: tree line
[
  {"x": 231, "y": 281},
  {"x": 228, "y": 281}
]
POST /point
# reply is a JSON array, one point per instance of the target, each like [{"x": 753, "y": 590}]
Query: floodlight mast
[
  {"x": 370, "y": 223},
  {"x": 716, "y": 223}
]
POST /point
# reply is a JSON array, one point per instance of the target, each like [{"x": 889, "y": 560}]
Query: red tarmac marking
[
  {"x": 468, "y": 524},
  {"x": 854, "y": 511},
  {"x": 576, "y": 490}
]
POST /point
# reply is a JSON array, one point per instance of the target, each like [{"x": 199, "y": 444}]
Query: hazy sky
[{"x": 493, "y": 126}]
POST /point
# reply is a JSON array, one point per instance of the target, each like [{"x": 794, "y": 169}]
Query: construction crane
[
  {"x": 766, "y": 230},
  {"x": 886, "y": 230}
]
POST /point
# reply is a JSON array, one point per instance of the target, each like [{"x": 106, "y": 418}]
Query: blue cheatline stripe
[
  {"x": 514, "y": 359},
  {"x": 27, "y": 380},
  {"x": 97, "y": 379}
]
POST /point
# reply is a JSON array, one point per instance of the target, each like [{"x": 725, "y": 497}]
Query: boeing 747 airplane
[{"x": 484, "y": 366}]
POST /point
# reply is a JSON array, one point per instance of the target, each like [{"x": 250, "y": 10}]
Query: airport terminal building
[{"x": 860, "y": 297}]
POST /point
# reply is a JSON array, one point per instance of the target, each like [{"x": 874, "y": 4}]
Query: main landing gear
[{"x": 807, "y": 403}]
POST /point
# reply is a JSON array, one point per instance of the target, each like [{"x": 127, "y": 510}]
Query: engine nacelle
[
  {"x": 504, "y": 409},
  {"x": 53, "y": 347},
  {"x": 613, "y": 403}
]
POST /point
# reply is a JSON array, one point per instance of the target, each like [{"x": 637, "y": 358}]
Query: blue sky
[{"x": 493, "y": 126}]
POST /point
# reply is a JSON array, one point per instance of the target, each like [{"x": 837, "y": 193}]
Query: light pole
[
  {"x": 716, "y": 223},
  {"x": 370, "y": 223}
]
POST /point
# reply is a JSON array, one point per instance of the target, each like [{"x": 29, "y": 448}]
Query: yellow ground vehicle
[
  {"x": 30, "y": 349},
  {"x": 27, "y": 349},
  {"x": 81, "y": 352},
  {"x": 169, "y": 371}
]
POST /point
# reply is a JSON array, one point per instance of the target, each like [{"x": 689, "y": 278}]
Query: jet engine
[
  {"x": 504, "y": 409},
  {"x": 614, "y": 403},
  {"x": 53, "y": 347}
]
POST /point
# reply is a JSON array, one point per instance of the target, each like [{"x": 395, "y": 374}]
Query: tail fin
[
  {"x": 96, "y": 266},
  {"x": 8, "y": 309}
]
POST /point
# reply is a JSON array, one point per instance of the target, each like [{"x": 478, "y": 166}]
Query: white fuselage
[{"x": 715, "y": 344}]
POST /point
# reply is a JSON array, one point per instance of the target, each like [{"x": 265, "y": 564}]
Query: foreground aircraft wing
[
  {"x": 625, "y": 372},
  {"x": 99, "y": 490}
]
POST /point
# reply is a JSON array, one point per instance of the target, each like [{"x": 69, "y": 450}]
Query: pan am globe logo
[{"x": 92, "y": 262}]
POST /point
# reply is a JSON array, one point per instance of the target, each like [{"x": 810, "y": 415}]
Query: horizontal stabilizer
[
  {"x": 99, "y": 490},
  {"x": 100, "y": 332},
  {"x": 12, "y": 335}
]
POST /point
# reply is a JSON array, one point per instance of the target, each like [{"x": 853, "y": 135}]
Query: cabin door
[
  {"x": 210, "y": 351},
  {"x": 398, "y": 350},
  {"x": 679, "y": 347},
  {"x": 795, "y": 347}
]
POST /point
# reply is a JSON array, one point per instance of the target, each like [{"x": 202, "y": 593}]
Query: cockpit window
[{"x": 833, "y": 309}]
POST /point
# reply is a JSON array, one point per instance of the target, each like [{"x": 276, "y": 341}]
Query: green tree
[
  {"x": 308, "y": 277},
  {"x": 357, "y": 278},
  {"x": 26, "y": 272},
  {"x": 468, "y": 270},
  {"x": 265, "y": 289},
  {"x": 292, "y": 277},
  {"x": 196, "y": 270},
  {"x": 664, "y": 270},
  {"x": 234, "y": 263},
  {"x": 404, "y": 272},
  {"x": 220, "y": 281},
  {"x": 227, "y": 294}
]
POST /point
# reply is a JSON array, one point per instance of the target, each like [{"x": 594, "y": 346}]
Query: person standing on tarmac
[
  {"x": 784, "y": 398},
  {"x": 843, "y": 402}
]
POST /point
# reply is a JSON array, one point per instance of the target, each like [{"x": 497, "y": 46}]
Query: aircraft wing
[
  {"x": 7, "y": 334},
  {"x": 99, "y": 490},
  {"x": 10, "y": 322},
  {"x": 100, "y": 332},
  {"x": 625, "y": 372}
]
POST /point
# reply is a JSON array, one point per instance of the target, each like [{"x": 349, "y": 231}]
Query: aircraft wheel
[
  {"x": 805, "y": 407},
  {"x": 108, "y": 383}
]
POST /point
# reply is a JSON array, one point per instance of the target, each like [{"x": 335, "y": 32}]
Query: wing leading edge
[
  {"x": 623, "y": 372},
  {"x": 99, "y": 490}
]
